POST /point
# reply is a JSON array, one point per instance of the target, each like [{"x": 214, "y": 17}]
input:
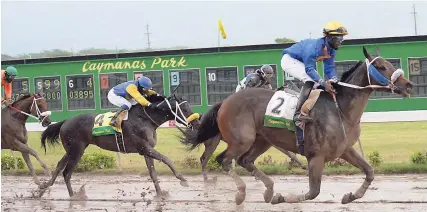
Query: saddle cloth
[
  {"x": 281, "y": 108},
  {"x": 102, "y": 125}
]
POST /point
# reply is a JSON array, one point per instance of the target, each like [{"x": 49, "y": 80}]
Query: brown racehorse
[
  {"x": 13, "y": 132},
  {"x": 240, "y": 120}
]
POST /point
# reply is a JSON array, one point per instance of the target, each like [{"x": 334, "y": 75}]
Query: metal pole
[
  {"x": 415, "y": 18},
  {"x": 219, "y": 41}
]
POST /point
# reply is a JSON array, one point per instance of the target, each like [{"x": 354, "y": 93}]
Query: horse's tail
[
  {"x": 51, "y": 134},
  {"x": 208, "y": 129}
]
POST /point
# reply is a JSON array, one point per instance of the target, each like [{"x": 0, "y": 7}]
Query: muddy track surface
[{"x": 136, "y": 193}]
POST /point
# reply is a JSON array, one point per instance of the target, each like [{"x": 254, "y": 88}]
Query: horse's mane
[
  {"x": 348, "y": 73},
  {"x": 26, "y": 95},
  {"x": 155, "y": 99}
]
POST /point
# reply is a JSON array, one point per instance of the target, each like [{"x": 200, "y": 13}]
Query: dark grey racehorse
[
  {"x": 139, "y": 133},
  {"x": 330, "y": 134},
  {"x": 13, "y": 132}
]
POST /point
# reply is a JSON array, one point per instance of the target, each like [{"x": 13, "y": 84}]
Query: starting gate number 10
[{"x": 212, "y": 77}]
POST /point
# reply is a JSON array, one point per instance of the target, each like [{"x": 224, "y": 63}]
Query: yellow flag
[{"x": 221, "y": 29}]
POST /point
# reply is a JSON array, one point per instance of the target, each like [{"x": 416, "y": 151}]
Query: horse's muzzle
[{"x": 405, "y": 90}]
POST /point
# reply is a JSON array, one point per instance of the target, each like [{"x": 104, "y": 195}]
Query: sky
[{"x": 34, "y": 26}]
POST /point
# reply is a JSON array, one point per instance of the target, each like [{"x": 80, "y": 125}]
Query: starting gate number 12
[{"x": 276, "y": 109}]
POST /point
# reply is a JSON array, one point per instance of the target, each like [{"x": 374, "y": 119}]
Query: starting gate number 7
[{"x": 276, "y": 109}]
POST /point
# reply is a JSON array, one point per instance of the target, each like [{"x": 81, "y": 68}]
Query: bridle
[
  {"x": 178, "y": 114},
  {"x": 380, "y": 78},
  {"x": 41, "y": 116},
  {"x": 377, "y": 76}
]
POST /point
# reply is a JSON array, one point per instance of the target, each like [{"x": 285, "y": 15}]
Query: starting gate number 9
[{"x": 174, "y": 78}]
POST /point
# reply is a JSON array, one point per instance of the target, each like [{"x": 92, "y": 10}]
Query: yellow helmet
[{"x": 334, "y": 28}]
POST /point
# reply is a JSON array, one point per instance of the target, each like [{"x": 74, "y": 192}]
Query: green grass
[{"x": 395, "y": 142}]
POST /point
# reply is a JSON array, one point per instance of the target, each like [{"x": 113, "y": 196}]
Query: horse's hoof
[
  {"x": 240, "y": 197},
  {"x": 277, "y": 199},
  {"x": 162, "y": 194},
  {"x": 268, "y": 195},
  {"x": 184, "y": 183},
  {"x": 347, "y": 198}
]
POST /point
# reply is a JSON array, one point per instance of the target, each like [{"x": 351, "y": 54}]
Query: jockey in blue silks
[{"x": 300, "y": 59}]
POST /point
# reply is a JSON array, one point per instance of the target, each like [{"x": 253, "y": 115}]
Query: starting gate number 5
[{"x": 276, "y": 109}]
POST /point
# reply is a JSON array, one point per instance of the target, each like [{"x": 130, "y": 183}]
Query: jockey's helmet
[
  {"x": 268, "y": 71},
  {"x": 334, "y": 32},
  {"x": 145, "y": 82},
  {"x": 10, "y": 73}
]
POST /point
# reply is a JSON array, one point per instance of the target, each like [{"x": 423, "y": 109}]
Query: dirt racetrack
[{"x": 135, "y": 193}]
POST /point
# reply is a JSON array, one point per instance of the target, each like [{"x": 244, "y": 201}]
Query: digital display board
[
  {"x": 107, "y": 82},
  {"x": 80, "y": 92},
  {"x": 51, "y": 89},
  {"x": 189, "y": 84},
  {"x": 418, "y": 75},
  {"x": 20, "y": 87},
  {"x": 221, "y": 82}
]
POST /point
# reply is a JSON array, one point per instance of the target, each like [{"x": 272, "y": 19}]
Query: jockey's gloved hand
[{"x": 334, "y": 80}]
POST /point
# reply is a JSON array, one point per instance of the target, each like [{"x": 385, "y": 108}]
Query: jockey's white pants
[
  {"x": 295, "y": 68},
  {"x": 120, "y": 101}
]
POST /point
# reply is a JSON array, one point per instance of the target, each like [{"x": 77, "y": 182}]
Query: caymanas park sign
[{"x": 157, "y": 63}]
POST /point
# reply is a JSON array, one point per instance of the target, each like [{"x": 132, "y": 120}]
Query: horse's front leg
[
  {"x": 145, "y": 147},
  {"x": 354, "y": 158},
  {"x": 153, "y": 174},
  {"x": 315, "y": 171}
]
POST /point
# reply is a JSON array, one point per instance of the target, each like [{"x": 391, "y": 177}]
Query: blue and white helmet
[{"x": 145, "y": 82}]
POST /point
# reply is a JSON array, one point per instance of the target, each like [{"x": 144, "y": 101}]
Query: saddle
[{"x": 102, "y": 127}]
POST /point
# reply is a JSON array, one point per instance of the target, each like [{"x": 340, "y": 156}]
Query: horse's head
[
  {"x": 33, "y": 105},
  {"x": 180, "y": 109},
  {"x": 381, "y": 72}
]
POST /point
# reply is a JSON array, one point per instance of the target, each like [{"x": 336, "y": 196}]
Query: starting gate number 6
[{"x": 276, "y": 109}]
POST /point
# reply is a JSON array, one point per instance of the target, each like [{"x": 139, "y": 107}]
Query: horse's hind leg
[
  {"x": 210, "y": 147},
  {"x": 247, "y": 161},
  {"x": 315, "y": 171},
  {"x": 73, "y": 159},
  {"x": 153, "y": 174},
  {"x": 59, "y": 167},
  {"x": 353, "y": 157}
]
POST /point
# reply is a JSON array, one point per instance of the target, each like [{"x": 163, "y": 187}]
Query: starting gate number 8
[{"x": 276, "y": 109}]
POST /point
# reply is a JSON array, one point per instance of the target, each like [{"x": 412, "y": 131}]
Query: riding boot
[
  {"x": 305, "y": 93},
  {"x": 113, "y": 120}
]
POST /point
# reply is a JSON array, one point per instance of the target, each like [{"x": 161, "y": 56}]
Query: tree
[
  {"x": 6, "y": 57},
  {"x": 284, "y": 40}
]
